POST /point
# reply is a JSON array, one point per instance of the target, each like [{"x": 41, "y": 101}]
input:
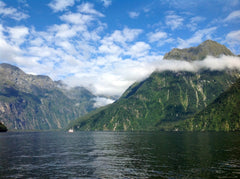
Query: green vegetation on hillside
[
  {"x": 222, "y": 114},
  {"x": 165, "y": 99},
  {"x": 159, "y": 101}
]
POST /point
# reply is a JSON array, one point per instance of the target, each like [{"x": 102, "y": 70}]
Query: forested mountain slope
[{"x": 164, "y": 98}]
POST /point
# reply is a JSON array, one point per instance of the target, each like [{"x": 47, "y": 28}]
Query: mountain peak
[
  {"x": 208, "y": 47},
  {"x": 10, "y": 68}
]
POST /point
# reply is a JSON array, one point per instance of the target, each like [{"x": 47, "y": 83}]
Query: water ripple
[{"x": 119, "y": 155}]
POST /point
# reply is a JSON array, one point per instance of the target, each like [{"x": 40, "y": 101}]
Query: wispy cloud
[
  {"x": 133, "y": 14},
  {"x": 11, "y": 12},
  {"x": 233, "y": 39},
  {"x": 194, "y": 22},
  {"x": 156, "y": 36},
  {"x": 61, "y": 5},
  {"x": 77, "y": 18},
  {"x": 88, "y": 8},
  {"x": 198, "y": 37},
  {"x": 174, "y": 21},
  {"x": 233, "y": 16},
  {"x": 106, "y": 3}
]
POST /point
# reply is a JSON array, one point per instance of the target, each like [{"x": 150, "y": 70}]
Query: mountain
[
  {"x": 3, "y": 128},
  {"x": 222, "y": 114},
  {"x": 200, "y": 52},
  {"x": 33, "y": 102},
  {"x": 165, "y": 98}
]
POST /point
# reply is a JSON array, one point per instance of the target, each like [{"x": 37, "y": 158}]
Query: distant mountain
[
  {"x": 33, "y": 102},
  {"x": 163, "y": 99},
  {"x": 200, "y": 52},
  {"x": 222, "y": 114},
  {"x": 3, "y": 128}
]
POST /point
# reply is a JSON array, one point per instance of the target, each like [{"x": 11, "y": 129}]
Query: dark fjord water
[{"x": 119, "y": 155}]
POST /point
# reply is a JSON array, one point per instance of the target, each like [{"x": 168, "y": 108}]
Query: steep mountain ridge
[
  {"x": 200, "y": 52},
  {"x": 163, "y": 99},
  {"x": 32, "y": 102},
  {"x": 23, "y": 81}
]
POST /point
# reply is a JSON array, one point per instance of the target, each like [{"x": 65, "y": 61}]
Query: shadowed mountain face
[
  {"x": 36, "y": 102},
  {"x": 165, "y": 98},
  {"x": 3, "y": 128}
]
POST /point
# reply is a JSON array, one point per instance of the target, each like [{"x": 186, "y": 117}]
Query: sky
[{"x": 106, "y": 45}]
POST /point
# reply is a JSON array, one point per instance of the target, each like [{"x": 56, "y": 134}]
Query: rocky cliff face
[
  {"x": 36, "y": 102},
  {"x": 163, "y": 99}
]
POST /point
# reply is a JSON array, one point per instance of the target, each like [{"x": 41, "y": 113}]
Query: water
[{"x": 119, "y": 155}]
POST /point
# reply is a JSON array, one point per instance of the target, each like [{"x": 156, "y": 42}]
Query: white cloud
[
  {"x": 139, "y": 49},
  {"x": 101, "y": 101},
  {"x": 11, "y": 12},
  {"x": 64, "y": 30},
  {"x": 116, "y": 43},
  {"x": 106, "y": 3},
  {"x": 154, "y": 37},
  {"x": 37, "y": 41},
  {"x": 133, "y": 14},
  {"x": 18, "y": 34},
  {"x": 115, "y": 78},
  {"x": 197, "y": 37},
  {"x": 43, "y": 51},
  {"x": 110, "y": 48},
  {"x": 174, "y": 21},
  {"x": 126, "y": 35},
  {"x": 77, "y": 18},
  {"x": 211, "y": 63},
  {"x": 233, "y": 16},
  {"x": 111, "y": 75},
  {"x": 194, "y": 21},
  {"x": 85, "y": 15},
  {"x": 88, "y": 9},
  {"x": 8, "y": 53},
  {"x": 60, "y": 5},
  {"x": 233, "y": 39}
]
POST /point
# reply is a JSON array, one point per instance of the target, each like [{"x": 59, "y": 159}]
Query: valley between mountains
[{"x": 199, "y": 98}]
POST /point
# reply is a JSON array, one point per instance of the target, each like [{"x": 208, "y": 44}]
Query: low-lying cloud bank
[
  {"x": 210, "y": 63},
  {"x": 102, "y": 101},
  {"x": 115, "y": 80}
]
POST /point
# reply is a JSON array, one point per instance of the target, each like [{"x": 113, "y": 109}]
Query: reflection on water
[{"x": 119, "y": 155}]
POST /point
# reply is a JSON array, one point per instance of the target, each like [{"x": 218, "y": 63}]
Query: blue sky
[{"x": 106, "y": 45}]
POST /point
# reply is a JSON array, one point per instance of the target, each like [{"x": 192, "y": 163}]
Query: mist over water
[{"x": 119, "y": 155}]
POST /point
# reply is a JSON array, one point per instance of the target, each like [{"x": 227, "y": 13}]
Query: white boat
[{"x": 70, "y": 130}]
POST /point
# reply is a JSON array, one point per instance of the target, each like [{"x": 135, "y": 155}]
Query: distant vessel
[{"x": 70, "y": 130}]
